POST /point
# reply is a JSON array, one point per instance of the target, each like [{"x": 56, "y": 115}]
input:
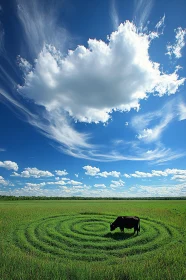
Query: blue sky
[{"x": 92, "y": 98}]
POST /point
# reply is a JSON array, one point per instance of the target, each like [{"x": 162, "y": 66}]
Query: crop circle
[{"x": 87, "y": 237}]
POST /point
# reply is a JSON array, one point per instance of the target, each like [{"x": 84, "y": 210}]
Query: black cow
[{"x": 126, "y": 222}]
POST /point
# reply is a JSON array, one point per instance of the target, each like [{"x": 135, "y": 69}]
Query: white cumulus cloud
[
  {"x": 94, "y": 171},
  {"x": 111, "y": 173},
  {"x": 74, "y": 183},
  {"x": 178, "y": 174},
  {"x": 9, "y": 165},
  {"x": 3, "y": 181},
  {"x": 179, "y": 177},
  {"x": 117, "y": 184},
  {"x": 60, "y": 182},
  {"x": 61, "y": 172},
  {"x": 32, "y": 172},
  {"x": 89, "y": 83},
  {"x": 34, "y": 185},
  {"x": 99, "y": 185},
  {"x": 159, "y": 190}
]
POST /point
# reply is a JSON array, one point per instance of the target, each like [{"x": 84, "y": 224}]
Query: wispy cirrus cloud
[
  {"x": 142, "y": 10},
  {"x": 144, "y": 123},
  {"x": 154, "y": 134},
  {"x": 159, "y": 154},
  {"x": 160, "y": 25},
  {"x": 1, "y": 37},
  {"x": 114, "y": 15},
  {"x": 40, "y": 24},
  {"x": 182, "y": 111},
  {"x": 176, "y": 48}
]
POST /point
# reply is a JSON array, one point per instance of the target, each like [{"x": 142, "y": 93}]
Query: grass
[{"x": 71, "y": 240}]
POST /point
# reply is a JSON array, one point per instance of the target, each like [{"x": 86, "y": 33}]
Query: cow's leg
[
  {"x": 122, "y": 229},
  {"x": 135, "y": 229}
]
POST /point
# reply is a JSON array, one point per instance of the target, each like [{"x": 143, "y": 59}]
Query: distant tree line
[{"x": 4, "y": 197}]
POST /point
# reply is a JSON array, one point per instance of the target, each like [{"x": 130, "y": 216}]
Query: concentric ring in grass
[{"x": 87, "y": 237}]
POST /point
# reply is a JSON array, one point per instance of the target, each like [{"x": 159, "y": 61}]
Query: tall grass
[{"x": 71, "y": 240}]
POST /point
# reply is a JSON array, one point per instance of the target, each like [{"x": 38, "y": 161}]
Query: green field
[{"x": 70, "y": 239}]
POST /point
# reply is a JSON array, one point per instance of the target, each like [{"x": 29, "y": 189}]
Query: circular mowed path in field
[{"x": 87, "y": 237}]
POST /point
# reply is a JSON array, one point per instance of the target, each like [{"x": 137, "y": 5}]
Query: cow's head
[{"x": 112, "y": 227}]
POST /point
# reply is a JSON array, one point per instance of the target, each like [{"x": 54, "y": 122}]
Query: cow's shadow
[{"x": 119, "y": 235}]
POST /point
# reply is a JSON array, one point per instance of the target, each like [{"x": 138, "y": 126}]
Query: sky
[{"x": 93, "y": 98}]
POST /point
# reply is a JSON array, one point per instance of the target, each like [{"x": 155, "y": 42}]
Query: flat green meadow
[{"x": 71, "y": 239}]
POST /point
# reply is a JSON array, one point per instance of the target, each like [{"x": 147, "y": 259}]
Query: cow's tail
[{"x": 139, "y": 225}]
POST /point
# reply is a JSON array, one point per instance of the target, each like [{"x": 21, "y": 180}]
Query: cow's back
[{"x": 130, "y": 221}]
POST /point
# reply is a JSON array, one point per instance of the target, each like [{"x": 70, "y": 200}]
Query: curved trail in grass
[{"x": 87, "y": 237}]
